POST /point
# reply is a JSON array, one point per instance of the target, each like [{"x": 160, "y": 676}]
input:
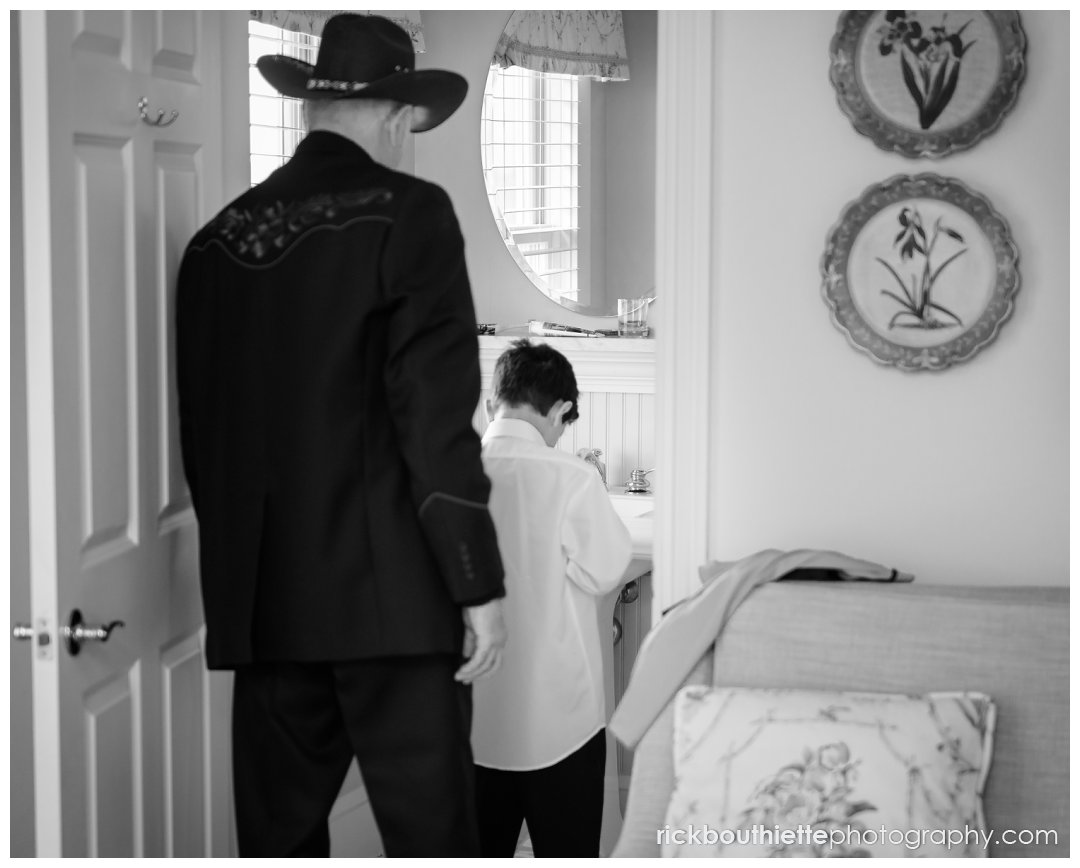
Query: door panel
[
  {"x": 137, "y": 721},
  {"x": 176, "y": 41},
  {"x": 101, "y": 33},
  {"x": 105, "y": 297},
  {"x": 113, "y": 780},
  {"x": 187, "y": 706},
  {"x": 176, "y": 181}
]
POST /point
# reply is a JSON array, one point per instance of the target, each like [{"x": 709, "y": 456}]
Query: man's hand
[{"x": 485, "y": 637}]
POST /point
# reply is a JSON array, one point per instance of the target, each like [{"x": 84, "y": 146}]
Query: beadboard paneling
[{"x": 617, "y": 405}]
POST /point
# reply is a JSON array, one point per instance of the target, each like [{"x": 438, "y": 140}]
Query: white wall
[
  {"x": 630, "y": 158},
  {"x": 959, "y": 476}
]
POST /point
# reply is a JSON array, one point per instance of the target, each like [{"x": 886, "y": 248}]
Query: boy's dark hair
[{"x": 534, "y": 374}]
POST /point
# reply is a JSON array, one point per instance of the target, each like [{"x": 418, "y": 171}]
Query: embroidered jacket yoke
[{"x": 328, "y": 373}]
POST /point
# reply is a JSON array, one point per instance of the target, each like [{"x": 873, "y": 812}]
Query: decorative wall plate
[
  {"x": 920, "y": 272},
  {"x": 927, "y": 83}
]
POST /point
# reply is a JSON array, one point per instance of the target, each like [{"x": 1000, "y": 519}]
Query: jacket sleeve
[
  {"x": 433, "y": 385},
  {"x": 596, "y": 542}
]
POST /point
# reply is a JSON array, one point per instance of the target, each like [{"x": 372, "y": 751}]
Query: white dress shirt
[{"x": 563, "y": 548}]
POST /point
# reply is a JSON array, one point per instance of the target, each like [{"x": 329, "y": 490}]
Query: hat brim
[{"x": 437, "y": 92}]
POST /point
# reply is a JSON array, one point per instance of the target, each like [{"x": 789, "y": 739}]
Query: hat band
[{"x": 332, "y": 84}]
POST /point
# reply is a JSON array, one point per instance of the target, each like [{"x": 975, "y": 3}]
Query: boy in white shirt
[{"x": 539, "y": 721}]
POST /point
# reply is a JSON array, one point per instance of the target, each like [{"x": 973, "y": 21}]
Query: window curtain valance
[
  {"x": 578, "y": 42},
  {"x": 311, "y": 21}
]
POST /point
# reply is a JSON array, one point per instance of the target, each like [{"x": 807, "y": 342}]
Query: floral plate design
[
  {"x": 920, "y": 272},
  {"x": 927, "y": 83}
]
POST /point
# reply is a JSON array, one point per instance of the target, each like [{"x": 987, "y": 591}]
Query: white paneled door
[{"x": 130, "y": 742}]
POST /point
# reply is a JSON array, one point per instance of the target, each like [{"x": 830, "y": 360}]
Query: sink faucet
[{"x": 592, "y": 456}]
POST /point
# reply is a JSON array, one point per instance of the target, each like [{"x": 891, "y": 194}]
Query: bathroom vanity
[{"x": 629, "y": 611}]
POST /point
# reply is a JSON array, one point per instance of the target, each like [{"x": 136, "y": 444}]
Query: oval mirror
[{"x": 569, "y": 159}]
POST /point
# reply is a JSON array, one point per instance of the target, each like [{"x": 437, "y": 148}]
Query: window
[
  {"x": 277, "y": 122},
  {"x": 532, "y": 156}
]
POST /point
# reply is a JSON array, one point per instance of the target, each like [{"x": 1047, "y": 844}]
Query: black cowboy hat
[{"x": 368, "y": 57}]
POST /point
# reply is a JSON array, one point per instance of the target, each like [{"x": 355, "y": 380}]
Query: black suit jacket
[{"x": 328, "y": 372}]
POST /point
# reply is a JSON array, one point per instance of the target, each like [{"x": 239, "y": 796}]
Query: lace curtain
[
  {"x": 578, "y": 42},
  {"x": 311, "y": 21}
]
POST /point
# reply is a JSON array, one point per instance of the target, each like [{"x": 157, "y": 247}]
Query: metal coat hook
[{"x": 160, "y": 122}]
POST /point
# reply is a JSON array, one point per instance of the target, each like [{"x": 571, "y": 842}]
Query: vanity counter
[
  {"x": 636, "y": 512},
  {"x": 626, "y": 611}
]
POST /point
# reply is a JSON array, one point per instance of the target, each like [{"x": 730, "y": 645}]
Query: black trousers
[
  {"x": 563, "y": 805},
  {"x": 297, "y": 727}
]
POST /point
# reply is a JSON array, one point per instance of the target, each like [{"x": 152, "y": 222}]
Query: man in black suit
[{"x": 328, "y": 372}]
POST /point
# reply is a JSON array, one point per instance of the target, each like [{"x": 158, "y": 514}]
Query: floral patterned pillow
[{"x": 811, "y": 773}]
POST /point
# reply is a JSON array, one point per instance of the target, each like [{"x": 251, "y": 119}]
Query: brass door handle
[{"x": 76, "y": 632}]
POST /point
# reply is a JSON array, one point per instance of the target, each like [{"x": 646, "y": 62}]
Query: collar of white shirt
[{"x": 513, "y": 428}]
